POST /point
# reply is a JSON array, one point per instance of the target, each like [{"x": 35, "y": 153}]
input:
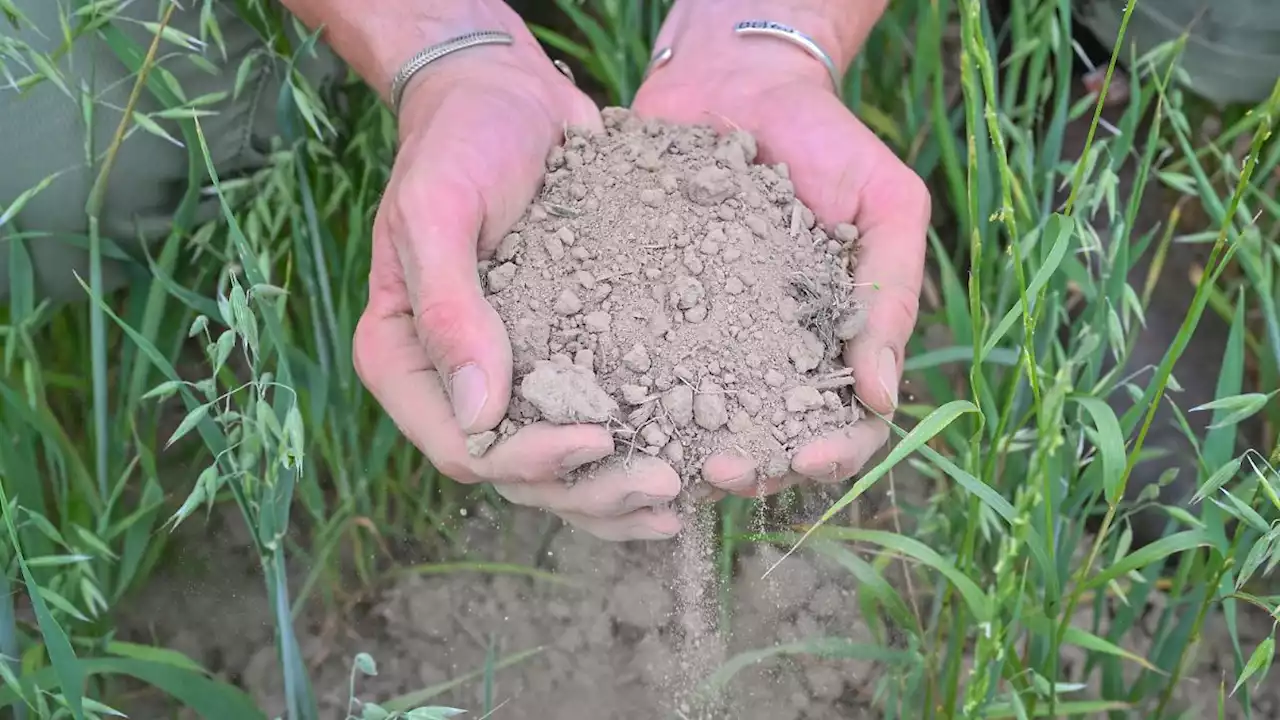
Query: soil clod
[{"x": 662, "y": 270}]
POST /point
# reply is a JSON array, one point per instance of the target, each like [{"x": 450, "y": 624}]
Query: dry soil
[{"x": 669, "y": 286}]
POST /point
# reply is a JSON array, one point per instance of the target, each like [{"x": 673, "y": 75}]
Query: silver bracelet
[
  {"x": 437, "y": 51},
  {"x": 770, "y": 29}
]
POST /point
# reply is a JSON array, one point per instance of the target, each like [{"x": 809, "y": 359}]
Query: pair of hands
[{"x": 475, "y": 134}]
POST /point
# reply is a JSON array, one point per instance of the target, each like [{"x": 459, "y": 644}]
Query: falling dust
[{"x": 666, "y": 285}]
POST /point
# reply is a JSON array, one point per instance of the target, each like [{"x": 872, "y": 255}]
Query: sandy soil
[
  {"x": 603, "y": 627},
  {"x": 607, "y": 622},
  {"x": 665, "y": 284}
]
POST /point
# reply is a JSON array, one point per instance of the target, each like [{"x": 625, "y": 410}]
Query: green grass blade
[
  {"x": 828, "y": 647},
  {"x": 926, "y": 430},
  {"x": 1148, "y": 554},
  {"x": 974, "y": 597},
  {"x": 66, "y": 665},
  {"x": 1110, "y": 444},
  {"x": 208, "y": 698},
  {"x": 9, "y": 648},
  {"x": 1061, "y": 230},
  {"x": 414, "y": 699}
]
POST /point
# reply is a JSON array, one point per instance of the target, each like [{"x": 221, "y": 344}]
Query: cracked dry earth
[{"x": 666, "y": 284}]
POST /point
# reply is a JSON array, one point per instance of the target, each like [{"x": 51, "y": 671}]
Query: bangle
[
  {"x": 770, "y": 29},
  {"x": 437, "y": 51},
  {"x": 795, "y": 37}
]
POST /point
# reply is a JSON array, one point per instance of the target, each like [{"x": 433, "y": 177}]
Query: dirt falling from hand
[
  {"x": 668, "y": 286},
  {"x": 696, "y": 605}
]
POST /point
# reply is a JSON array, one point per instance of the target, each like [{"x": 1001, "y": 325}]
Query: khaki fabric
[
  {"x": 43, "y": 132},
  {"x": 1233, "y": 47}
]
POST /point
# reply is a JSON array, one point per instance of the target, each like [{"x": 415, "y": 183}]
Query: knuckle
[
  {"x": 455, "y": 469},
  {"x": 442, "y": 322},
  {"x": 903, "y": 308},
  {"x": 895, "y": 311},
  {"x": 364, "y": 355}
]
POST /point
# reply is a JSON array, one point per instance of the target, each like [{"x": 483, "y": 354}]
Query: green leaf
[
  {"x": 96, "y": 707},
  {"x": 164, "y": 390},
  {"x": 1238, "y": 407},
  {"x": 242, "y": 74},
  {"x": 1259, "y": 662},
  {"x": 433, "y": 713},
  {"x": 926, "y": 430},
  {"x": 154, "y": 128},
  {"x": 198, "y": 495},
  {"x": 1087, "y": 708},
  {"x": 66, "y": 666},
  {"x": 61, "y": 603},
  {"x": 174, "y": 35},
  {"x": 1237, "y": 508},
  {"x": 404, "y": 702},
  {"x": 1260, "y": 551},
  {"x": 1220, "y": 477},
  {"x": 1148, "y": 554},
  {"x": 262, "y": 291},
  {"x": 1110, "y": 441},
  {"x": 973, "y": 596},
  {"x": 23, "y": 198},
  {"x": 870, "y": 582},
  {"x": 222, "y": 349},
  {"x": 1083, "y": 639},
  {"x": 828, "y": 647},
  {"x": 50, "y": 72},
  {"x": 293, "y": 437},
  {"x": 58, "y": 560},
  {"x": 1061, "y": 229},
  {"x": 188, "y": 423},
  {"x": 155, "y": 655},
  {"x": 208, "y": 698},
  {"x": 365, "y": 664},
  {"x": 95, "y": 543}
]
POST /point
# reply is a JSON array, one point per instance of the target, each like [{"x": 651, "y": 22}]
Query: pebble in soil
[{"x": 667, "y": 285}]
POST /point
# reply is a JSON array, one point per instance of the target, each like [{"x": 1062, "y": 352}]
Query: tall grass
[
  {"x": 1024, "y": 549},
  {"x": 1016, "y": 425}
]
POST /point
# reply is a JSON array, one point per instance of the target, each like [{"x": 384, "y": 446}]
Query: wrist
[
  {"x": 377, "y": 39},
  {"x": 700, "y": 34}
]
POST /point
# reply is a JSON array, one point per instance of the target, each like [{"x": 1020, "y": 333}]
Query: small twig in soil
[
  {"x": 563, "y": 211},
  {"x": 833, "y": 384},
  {"x": 622, "y": 273}
]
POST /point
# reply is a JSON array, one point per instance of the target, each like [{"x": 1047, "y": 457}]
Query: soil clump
[{"x": 667, "y": 285}]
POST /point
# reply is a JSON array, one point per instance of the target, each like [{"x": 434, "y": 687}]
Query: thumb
[
  {"x": 887, "y": 279},
  {"x": 435, "y": 222},
  {"x": 846, "y": 174}
]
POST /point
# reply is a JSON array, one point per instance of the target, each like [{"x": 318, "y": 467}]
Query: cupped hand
[
  {"x": 474, "y": 135},
  {"x": 845, "y": 175}
]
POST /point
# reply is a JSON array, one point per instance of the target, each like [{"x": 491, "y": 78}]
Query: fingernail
[
  {"x": 644, "y": 531},
  {"x": 637, "y": 500},
  {"x": 889, "y": 376},
  {"x": 469, "y": 392},
  {"x": 578, "y": 458}
]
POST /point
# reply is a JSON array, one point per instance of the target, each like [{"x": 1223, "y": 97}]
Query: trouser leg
[
  {"x": 1232, "y": 53},
  {"x": 45, "y": 130}
]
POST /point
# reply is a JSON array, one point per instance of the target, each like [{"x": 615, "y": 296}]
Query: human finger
[
  {"x": 614, "y": 489},
  {"x": 841, "y": 454},
  {"x": 644, "y": 524},
  {"x": 845, "y": 174},
  {"x": 396, "y": 369}
]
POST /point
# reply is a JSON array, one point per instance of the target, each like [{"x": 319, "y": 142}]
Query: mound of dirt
[{"x": 665, "y": 284}]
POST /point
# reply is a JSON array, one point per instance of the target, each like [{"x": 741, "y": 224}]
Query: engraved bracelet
[
  {"x": 435, "y": 52},
  {"x": 770, "y": 29}
]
